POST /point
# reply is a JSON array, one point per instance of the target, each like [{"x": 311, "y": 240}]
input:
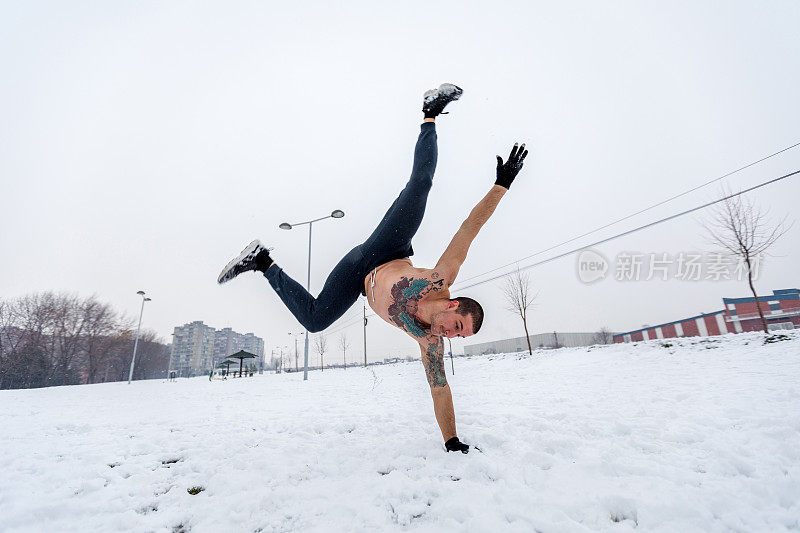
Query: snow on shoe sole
[
  {"x": 244, "y": 262},
  {"x": 449, "y": 90},
  {"x": 435, "y": 100}
]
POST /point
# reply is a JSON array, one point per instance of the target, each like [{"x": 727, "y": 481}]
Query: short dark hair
[{"x": 468, "y": 306}]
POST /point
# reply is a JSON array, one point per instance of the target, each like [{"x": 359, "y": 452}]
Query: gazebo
[
  {"x": 241, "y": 356},
  {"x": 227, "y": 364}
]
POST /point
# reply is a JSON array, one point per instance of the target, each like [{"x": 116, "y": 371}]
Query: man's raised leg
[
  {"x": 402, "y": 220},
  {"x": 392, "y": 238}
]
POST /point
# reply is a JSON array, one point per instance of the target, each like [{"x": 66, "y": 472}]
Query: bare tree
[
  {"x": 12, "y": 341},
  {"x": 114, "y": 354},
  {"x": 33, "y": 363},
  {"x": 152, "y": 357},
  {"x": 63, "y": 339},
  {"x": 603, "y": 336},
  {"x": 743, "y": 230},
  {"x": 519, "y": 298},
  {"x": 286, "y": 359},
  {"x": 68, "y": 328},
  {"x": 275, "y": 362},
  {"x": 100, "y": 328},
  {"x": 321, "y": 345},
  {"x": 344, "y": 344}
]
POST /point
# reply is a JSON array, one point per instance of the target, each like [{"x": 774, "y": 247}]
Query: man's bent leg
[
  {"x": 402, "y": 220},
  {"x": 339, "y": 293}
]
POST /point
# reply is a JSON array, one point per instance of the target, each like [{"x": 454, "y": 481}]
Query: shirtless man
[{"x": 416, "y": 300}]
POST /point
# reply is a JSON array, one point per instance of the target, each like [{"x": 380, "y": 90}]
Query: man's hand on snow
[
  {"x": 506, "y": 172},
  {"x": 455, "y": 445}
]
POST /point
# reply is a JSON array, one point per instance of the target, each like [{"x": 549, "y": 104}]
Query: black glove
[
  {"x": 455, "y": 445},
  {"x": 508, "y": 171}
]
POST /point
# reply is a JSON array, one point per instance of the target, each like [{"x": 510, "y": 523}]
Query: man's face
[{"x": 450, "y": 324}]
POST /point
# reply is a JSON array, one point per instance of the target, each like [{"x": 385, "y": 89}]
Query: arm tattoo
[
  {"x": 406, "y": 295},
  {"x": 434, "y": 362}
]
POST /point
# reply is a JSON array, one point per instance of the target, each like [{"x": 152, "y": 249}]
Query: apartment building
[{"x": 197, "y": 348}]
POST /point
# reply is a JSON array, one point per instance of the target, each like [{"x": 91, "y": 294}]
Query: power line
[
  {"x": 350, "y": 323},
  {"x": 353, "y": 321},
  {"x": 352, "y": 316},
  {"x": 343, "y": 327},
  {"x": 631, "y": 215},
  {"x": 634, "y": 230}
]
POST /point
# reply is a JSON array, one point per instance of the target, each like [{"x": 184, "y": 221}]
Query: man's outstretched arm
[
  {"x": 456, "y": 253},
  {"x": 433, "y": 360}
]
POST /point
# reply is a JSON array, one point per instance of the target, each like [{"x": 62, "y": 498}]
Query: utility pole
[
  {"x": 365, "y": 335},
  {"x": 296, "y": 367},
  {"x": 452, "y": 366}
]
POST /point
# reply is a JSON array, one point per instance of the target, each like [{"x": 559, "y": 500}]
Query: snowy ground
[{"x": 700, "y": 436}]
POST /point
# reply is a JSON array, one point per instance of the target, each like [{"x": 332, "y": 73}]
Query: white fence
[{"x": 540, "y": 340}]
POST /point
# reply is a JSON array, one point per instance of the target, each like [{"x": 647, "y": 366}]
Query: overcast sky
[{"x": 143, "y": 144}]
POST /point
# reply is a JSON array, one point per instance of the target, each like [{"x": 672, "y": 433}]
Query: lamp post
[
  {"x": 138, "y": 329},
  {"x": 337, "y": 213}
]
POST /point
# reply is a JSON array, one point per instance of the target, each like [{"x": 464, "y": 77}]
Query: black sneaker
[
  {"x": 435, "y": 100},
  {"x": 253, "y": 257}
]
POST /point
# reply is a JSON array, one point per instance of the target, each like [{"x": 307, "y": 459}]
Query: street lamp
[
  {"x": 336, "y": 213},
  {"x": 136, "y": 343}
]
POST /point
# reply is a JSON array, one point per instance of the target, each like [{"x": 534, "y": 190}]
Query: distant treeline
[{"x": 51, "y": 339}]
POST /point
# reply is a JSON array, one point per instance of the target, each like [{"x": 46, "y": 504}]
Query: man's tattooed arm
[{"x": 433, "y": 359}]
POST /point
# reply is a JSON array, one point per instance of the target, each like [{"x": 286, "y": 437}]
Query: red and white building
[{"x": 781, "y": 310}]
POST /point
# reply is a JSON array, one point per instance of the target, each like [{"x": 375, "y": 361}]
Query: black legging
[{"x": 390, "y": 240}]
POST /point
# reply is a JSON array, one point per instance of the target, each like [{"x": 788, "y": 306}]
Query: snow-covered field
[{"x": 703, "y": 435}]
